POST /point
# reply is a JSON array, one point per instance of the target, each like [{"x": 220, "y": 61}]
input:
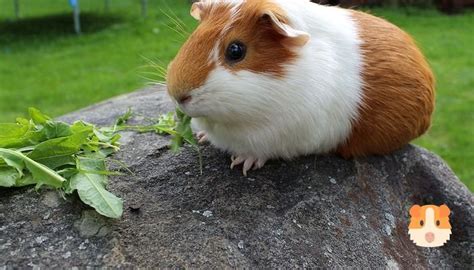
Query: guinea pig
[
  {"x": 429, "y": 225},
  {"x": 267, "y": 79}
]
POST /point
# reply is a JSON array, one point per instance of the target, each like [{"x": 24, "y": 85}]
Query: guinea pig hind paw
[{"x": 202, "y": 137}]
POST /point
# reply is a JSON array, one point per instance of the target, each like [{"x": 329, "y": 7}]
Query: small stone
[
  {"x": 82, "y": 246},
  {"x": 390, "y": 218},
  {"x": 387, "y": 229},
  {"x": 241, "y": 244},
  {"x": 90, "y": 224},
  {"x": 66, "y": 255},
  {"x": 207, "y": 213},
  {"x": 45, "y": 217},
  {"x": 51, "y": 199},
  {"x": 332, "y": 180},
  {"x": 251, "y": 179},
  {"x": 41, "y": 239},
  {"x": 6, "y": 245},
  {"x": 187, "y": 173},
  {"x": 135, "y": 207}
]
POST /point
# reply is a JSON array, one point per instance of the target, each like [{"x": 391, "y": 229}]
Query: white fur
[{"x": 310, "y": 111}]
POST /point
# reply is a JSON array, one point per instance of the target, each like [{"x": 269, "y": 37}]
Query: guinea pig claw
[
  {"x": 248, "y": 164},
  {"x": 202, "y": 137},
  {"x": 236, "y": 161},
  {"x": 259, "y": 163}
]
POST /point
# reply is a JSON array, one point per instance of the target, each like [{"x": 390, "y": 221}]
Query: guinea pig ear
[
  {"x": 196, "y": 10},
  {"x": 415, "y": 211},
  {"x": 295, "y": 38},
  {"x": 444, "y": 211}
]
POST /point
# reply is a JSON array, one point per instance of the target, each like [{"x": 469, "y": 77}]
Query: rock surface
[{"x": 313, "y": 211}]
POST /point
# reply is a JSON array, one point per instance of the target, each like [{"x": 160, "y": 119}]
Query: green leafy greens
[{"x": 43, "y": 152}]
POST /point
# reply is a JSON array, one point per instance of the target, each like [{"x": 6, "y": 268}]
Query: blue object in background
[
  {"x": 75, "y": 6},
  {"x": 73, "y": 3}
]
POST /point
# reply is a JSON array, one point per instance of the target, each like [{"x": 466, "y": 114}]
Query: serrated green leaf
[
  {"x": 11, "y": 159},
  {"x": 38, "y": 117},
  {"x": 184, "y": 132},
  {"x": 91, "y": 188},
  {"x": 31, "y": 150},
  {"x": 19, "y": 135},
  {"x": 26, "y": 180},
  {"x": 54, "y": 129},
  {"x": 124, "y": 118},
  {"x": 58, "y": 152},
  {"x": 10, "y": 130},
  {"x": 41, "y": 174},
  {"x": 8, "y": 176}
]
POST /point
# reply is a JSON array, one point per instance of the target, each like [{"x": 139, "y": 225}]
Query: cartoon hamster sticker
[{"x": 429, "y": 225}]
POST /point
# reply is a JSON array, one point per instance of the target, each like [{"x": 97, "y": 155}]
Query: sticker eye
[
  {"x": 421, "y": 223},
  {"x": 438, "y": 222},
  {"x": 235, "y": 52}
]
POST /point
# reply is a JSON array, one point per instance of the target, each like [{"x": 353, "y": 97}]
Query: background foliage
[{"x": 45, "y": 65}]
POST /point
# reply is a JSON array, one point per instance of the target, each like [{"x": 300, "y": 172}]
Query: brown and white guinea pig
[{"x": 270, "y": 79}]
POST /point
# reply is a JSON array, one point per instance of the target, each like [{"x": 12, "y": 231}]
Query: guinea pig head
[{"x": 229, "y": 64}]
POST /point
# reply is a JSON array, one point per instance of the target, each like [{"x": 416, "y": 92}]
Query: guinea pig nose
[
  {"x": 184, "y": 99},
  {"x": 430, "y": 237}
]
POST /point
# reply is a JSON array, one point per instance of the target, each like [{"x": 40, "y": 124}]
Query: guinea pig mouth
[{"x": 185, "y": 99}]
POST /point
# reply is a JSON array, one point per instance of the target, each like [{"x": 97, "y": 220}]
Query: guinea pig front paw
[
  {"x": 249, "y": 163},
  {"x": 202, "y": 137}
]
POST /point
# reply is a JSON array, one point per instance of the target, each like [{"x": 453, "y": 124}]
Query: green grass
[{"x": 43, "y": 64}]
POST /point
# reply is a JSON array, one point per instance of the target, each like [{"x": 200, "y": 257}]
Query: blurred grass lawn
[{"x": 43, "y": 64}]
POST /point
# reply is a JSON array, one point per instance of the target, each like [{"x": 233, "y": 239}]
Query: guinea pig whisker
[
  {"x": 170, "y": 10},
  {"x": 178, "y": 24}
]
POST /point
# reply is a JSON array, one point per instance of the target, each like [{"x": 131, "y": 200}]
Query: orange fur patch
[
  {"x": 420, "y": 216},
  {"x": 398, "y": 92},
  {"x": 267, "y": 50},
  {"x": 192, "y": 64}
]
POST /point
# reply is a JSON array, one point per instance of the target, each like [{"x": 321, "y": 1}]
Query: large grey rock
[{"x": 313, "y": 211}]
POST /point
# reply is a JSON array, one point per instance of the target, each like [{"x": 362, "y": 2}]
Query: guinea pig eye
[
  {"x": 438, "y": 222},
  {"x": 235, "y": 52},
  {"x": 421, "y": 223}
]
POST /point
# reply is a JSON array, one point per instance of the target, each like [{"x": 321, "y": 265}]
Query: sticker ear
[
  {"x": 415, "y": 211},
  {"x": 295, "y": 37},
  {"x": 444, "y": 211},
  {"x": 196, "y": 10}
]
